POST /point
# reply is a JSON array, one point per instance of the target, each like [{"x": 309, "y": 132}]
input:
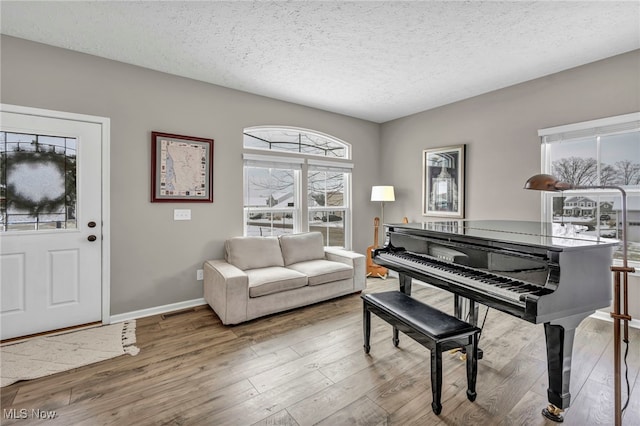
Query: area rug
[{"x": 46, "y": 355}]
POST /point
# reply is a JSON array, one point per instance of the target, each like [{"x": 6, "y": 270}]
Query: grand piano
[{"x": 539, "y": 272}]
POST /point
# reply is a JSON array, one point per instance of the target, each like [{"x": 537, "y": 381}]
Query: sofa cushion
[
  {"x": 253, "y": 252},
  {"x": 323, "y": 271},
  {"x": 301, "y": 247},
  {"x": 273, "y": 279}
]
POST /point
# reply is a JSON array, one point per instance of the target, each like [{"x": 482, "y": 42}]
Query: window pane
[
  {"x": 575, "y": 161},
  {"x": 269, "y": 187},
  {"x": 291, "y": 140},
  {"x": 600, "y": 215},
  {"x": 266, "y": 224},
  {"x": 620, "y": 159},
  {"x": 331, "y": 224},
  {"x": 326, "y": 189},
  {"x": 633, "y": 225},
  {"x": 37, "y": 182}
]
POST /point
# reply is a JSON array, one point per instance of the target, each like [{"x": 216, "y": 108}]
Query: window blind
[
  {"x": 272, "y": 161},
  {"x": 330, "y": 166},
  {"x": 593, "y": 128}
]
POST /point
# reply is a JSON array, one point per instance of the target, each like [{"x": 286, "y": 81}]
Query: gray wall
[
  {"x": 153, "y": 258},
  {"x": 501, "y": 132}
]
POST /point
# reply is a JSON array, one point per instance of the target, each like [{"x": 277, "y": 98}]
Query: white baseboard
[
  {"x": 157, "y": 310},
  {"x": 635, "y": 323}
]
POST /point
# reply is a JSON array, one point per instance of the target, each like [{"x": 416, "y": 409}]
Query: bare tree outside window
[
  {"x": 628, "y": 172},
  {"x": 576, "y": 171}
]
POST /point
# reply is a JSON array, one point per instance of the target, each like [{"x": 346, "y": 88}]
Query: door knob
[
  {"x": 91, "y": 224},
  {"x": 91, "y": 238}
]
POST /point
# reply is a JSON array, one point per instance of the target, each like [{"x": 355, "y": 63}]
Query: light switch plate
[{"x": 181, "y": 214}]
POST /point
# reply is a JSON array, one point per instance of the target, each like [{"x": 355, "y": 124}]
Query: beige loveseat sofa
[{"x": 264, "y": 275}]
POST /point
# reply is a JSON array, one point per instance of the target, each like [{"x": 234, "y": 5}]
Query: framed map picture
[{"x": 181, "y": 168}]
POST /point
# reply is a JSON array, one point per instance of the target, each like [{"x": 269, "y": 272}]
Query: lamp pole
[
  {"x": 621, "y": 279},
  {"x": 382, "y": 194}
]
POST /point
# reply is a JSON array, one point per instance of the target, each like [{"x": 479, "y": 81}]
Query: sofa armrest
[
  {"x": 353, "y": 259},
  {"x": 226, "y": 290}
]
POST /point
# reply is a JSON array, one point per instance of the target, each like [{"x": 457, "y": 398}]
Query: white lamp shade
[{"x": 382, "y": 193}]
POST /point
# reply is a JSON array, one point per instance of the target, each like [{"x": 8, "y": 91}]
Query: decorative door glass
[{"x": 37, "y": 182}]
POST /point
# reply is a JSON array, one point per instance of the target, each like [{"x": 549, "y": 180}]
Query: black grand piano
[{"x": 539, "y": 272}]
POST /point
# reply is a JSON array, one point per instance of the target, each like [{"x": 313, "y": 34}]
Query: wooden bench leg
[
  {"x": 436, "y": 378},
  {"x": 366, "y": 324},
  {"x": 472, "y": 367}
]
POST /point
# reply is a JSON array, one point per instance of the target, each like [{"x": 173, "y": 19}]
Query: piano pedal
[
  {"x": 463, "y": 353},
  {"x": 553, "y": 413}
]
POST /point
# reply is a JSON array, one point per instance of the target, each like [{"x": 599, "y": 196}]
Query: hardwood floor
[{"x": 308, "y": 366}]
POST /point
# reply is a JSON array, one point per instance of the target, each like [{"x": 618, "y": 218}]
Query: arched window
[{"x": 297, "y": 180}]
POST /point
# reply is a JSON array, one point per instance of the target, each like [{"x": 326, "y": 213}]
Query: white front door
[{"x": 51, "y": 221}]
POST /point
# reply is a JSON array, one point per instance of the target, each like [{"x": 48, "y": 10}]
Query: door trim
[{"x": 105, "y": 125}]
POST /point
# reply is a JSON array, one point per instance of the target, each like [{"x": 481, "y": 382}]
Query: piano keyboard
[{"x": 508, "y": 289}]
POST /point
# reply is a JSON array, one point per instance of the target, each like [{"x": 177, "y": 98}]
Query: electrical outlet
[
  {"x": 182, "y": 214},
  {"x": 199, "y": 275}
]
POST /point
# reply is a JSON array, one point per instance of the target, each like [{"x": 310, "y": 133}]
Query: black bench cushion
[{"x": 423, "y": 318}]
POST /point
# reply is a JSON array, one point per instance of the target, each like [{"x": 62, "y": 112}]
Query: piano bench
[{"x": 434, "y": 329}]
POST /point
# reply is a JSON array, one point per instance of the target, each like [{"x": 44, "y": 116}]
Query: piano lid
[{"x": 553, "y": 236}]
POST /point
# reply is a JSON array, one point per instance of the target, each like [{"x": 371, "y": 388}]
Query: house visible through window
[
  {"x": 603, "y": 152},
  {"x": 297, "y": 180}
]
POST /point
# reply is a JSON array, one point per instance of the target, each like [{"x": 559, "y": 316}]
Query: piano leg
[
  {"x": 366, "y": 325},
  {"x": 405, "y": 283},
  {"x": 559, "y": 336},
  {"x": 464, "y": 308},
  {"x": 405, "y": 287}
]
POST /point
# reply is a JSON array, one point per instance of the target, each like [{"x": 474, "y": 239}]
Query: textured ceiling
[{"x": 373, "y": 60}]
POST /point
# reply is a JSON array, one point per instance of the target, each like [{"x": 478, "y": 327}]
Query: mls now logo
[{"x": 23, "y": 413}]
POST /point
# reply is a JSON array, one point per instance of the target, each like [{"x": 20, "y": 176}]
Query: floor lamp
[
  {"x": 383, "y": 194},
  {"x": 543, "y": 182}
]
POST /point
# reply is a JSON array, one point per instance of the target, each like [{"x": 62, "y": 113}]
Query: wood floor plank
[
  {"x": 179, "y": 405},
  {"x": 315, "y": 408},
  {"x": 417, "y": 412},
  {"x": 500, "y": 390},
  {"x": 314, "y": 361},
  {"x": 527, "y": 412},
  {"x": 632, "y": 412},
  {"x": 281, "y": 418},
  {"x": 596, "y": 407},
  {"x": 410, "y": 384},
  {"x": 360, "y": 412},
  {"x": 263, "y": 405}
]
